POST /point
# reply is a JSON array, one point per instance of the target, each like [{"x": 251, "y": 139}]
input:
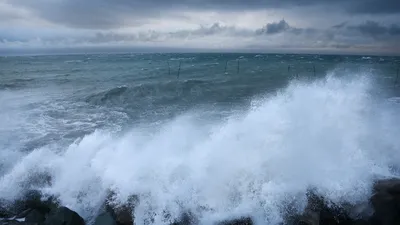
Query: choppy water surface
[{"x": 223, "y": 139}]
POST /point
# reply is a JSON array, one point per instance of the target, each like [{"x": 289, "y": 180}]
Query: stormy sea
[{"x": 221, "y": 136}]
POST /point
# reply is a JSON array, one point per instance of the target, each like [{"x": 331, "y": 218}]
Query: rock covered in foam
[
  {"x": 186, "y": 219},
  {"x": 113, "y": 213},
  {"x": 31, "y": 206},
  {"x": 32, "y": 209},
  {"x": 385, "y": 203}
]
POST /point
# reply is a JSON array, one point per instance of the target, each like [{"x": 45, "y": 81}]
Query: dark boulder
[
  {"x": 35, "y": 216},
  {"x": 386, "y": 202},
  {"x": 32, "y": 199},
  {"x": 23, "y": 214},
  {"x": 17, "y": 222},
  {"x": 240, "y": 221},
  {"x": 12, "y": 222},
  {"x": 4, "y": 212},
  {"x": 121, "y": 213},
  {"x": 63, "y": 216},
  {"x": 320, "y": 212}
]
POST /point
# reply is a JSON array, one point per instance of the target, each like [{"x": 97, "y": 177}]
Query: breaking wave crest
[{"x": 330, "y": 135}]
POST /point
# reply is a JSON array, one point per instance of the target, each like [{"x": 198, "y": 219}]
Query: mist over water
[{"x": 220, "y": 146}]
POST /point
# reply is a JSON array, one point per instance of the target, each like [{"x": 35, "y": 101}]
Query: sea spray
[{"x": 330, "y": 135}]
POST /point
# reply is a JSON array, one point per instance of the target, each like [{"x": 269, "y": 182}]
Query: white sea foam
[{"x": 330, "y": 135}]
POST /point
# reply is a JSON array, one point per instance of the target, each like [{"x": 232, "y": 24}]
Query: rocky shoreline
[{"x": 383, "y": 208}]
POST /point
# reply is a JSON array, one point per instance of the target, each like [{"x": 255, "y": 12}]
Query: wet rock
[
  {"x": 24, "y": 213},
  {"x": 63, "y": 216},
  {"x": 4, "y": 212},
  {"x": 240, "y": 221},
  {"x": 30, "y": 209},
  {"x": 17, "y": 222},
  {"x": 310, "y": 217},
  {"x": 121, "y": 213},
  {"x": 35, "y": 216},
  {"x": 186, "y": 219},
  {"x": 386, "y": 202},
  {"x": 33, "y": 200},
  {"x": 390, "y": 186},
  {"x": 334, "y": 215},
  {"x": 11, "y": 222},
  {"x": 319, "y": 212},
  {"x": 105, "y": 219}
]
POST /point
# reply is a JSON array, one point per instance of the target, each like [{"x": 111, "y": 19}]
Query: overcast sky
[{"x": 342, "y": 26}]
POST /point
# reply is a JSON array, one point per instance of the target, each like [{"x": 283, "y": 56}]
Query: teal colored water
[{"x": 165, "y": 125}]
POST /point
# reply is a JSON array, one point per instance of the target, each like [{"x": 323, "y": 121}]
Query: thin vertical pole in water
[
  {"x": 314, "y": 71},
  {"x": 226, "y": 66},
  {"x": 169, "y": 69},
  {"x": 397, "y": 77},
  {"x": 238, "y": 65},
  {"x": 179, "y": 69}
]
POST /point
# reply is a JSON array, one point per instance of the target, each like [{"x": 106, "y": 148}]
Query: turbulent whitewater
[{"x": 217, "y": 143}]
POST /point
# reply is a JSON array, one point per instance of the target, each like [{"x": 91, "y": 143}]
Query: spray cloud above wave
[{"x": 330, "y": 135}]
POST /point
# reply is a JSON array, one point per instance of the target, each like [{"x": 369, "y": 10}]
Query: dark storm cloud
[
  {"x": 104, "y": 14},
  {"x": 280, "y": 34},
  {"x": 339, "y": 26},
  {"x": 274, "y": 28},
  {"x": 376, "y": 6},
  {"x": 377, "y": 30},
  {"x": 284, "y": 27},
  {"x": 394, "y": 29}
]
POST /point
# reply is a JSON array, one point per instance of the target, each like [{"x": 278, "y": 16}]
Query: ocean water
[{"x": 221, "y": 136}]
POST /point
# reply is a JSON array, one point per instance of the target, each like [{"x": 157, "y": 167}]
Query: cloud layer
[{"x": 345, "y": 25}]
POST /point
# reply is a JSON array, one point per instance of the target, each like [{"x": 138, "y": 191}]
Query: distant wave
[
  {"x": 161, "y": 89},
  {"x": 15, "y": 83}
]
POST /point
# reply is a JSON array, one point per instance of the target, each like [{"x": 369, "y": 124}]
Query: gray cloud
[
  {"x": 344, "y": 36},
  {"x": 377, "y": 30},
  {"x": 284, "y": 27},
  {"x": 156, "y": 36},
  {"x": 107, "y": 14},
  {"x": 274, "y": 28},
  {"x": 339, "y": 26}
]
